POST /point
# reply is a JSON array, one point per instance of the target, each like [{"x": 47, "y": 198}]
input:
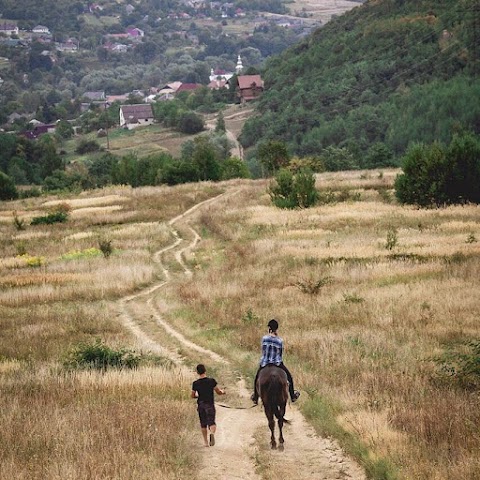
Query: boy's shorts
[{"x": 206, "y": 413}]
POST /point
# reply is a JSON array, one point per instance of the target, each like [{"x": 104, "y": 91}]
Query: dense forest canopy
[{"x": 388, "y": 72}]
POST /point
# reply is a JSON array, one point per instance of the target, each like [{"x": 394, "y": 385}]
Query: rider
[{"x": 272, "y": 351}]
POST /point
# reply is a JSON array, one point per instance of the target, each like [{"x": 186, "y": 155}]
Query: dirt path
[
  {"x": 242, "y": 441},
  {"x": 236, "y": 150}
]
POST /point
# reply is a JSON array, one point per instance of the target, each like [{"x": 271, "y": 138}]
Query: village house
[
  {"x": 39, "y": 129},
  {"x": 168, "y": 91},
  {"x": 217, "y": 84},
  {"x": 117, "y": 98},
  {"x": 94, "y": 96},
  {"x": 95, "y": 7},
  {"x": 8, "y": 29},
  {"x": 133, "y": 116},
  {"x": 248, "y": 87},
  {"x": 41, "y": 29},
  {"x": 71, "y": 45},
  {"x": 219, "y": 74},
  {"x": 135, "y": 33},
  {"x": 188, "y": 87}
]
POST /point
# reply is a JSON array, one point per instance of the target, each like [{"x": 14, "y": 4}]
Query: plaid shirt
[{"x": 272, "y": 350}]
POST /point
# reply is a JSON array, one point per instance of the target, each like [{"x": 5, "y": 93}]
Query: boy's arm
[
  {"x": 219, "y": 391},
  {"x": 194, "y": 394}
]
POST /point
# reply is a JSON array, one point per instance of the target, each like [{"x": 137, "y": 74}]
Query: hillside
[
  {"x": 378, "y": 305},
  {"x": 390, "y": 71}
]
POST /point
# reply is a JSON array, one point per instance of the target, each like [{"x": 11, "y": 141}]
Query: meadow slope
[{"x": 376, "y": 302}]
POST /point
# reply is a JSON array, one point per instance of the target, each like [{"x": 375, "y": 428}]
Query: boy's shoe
[
  {"x": 254, "y": 399},
  {"x": 296, "y": 394},
  {"x": 212, "y": 439}
]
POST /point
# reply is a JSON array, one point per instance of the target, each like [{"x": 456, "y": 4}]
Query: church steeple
[{"x": 239, "y": 67}]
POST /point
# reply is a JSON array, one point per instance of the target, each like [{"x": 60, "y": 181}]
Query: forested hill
[{"x": 389, "y": 71}]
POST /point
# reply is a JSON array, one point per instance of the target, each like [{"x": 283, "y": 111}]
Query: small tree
[
  {"x": 273, "y": 155},
  {"x": 294, "y": 191},
  {"x": 234, "y": 167},
  {"x": 190, "y": 122},
  {"x": 8, "y": 190},
  {"x": 220, "y": 125},
  {"x": 438, "y": 175},
  {"x": 64, "y": 129}
]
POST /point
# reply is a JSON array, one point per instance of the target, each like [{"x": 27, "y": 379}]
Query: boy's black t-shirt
[{"x": 204, "y": 387}]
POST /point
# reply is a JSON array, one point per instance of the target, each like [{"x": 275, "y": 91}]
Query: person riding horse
[{"x": 272, "y": 354}]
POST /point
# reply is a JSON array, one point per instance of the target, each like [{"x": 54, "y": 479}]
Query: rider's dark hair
[
  {"x": 273, "y": 325},
  {"x": 201, "y": 369}
]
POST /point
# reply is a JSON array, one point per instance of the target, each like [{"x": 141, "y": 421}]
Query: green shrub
[
  {"x": 294, "y": 190},
  {"x": 435, "y": 175},
  {"x": 18, "y": 223},
  {"x": 392, "y": 238},
  {"x": 312, "y": 286},
  {"x": 462, "y": 365},
  {"x": 81, "y": 254},
  {"x": 234, "y": 167},
  {"x": 30, "y": 192},
  {"x": 105, "y": 247},
  {"x": 8, "y": 190},
  {"x": 54, "y": 217},
  {"x": 250, "y": 318},
  {"x": 99, "y": 356},
  {"x": 190, "y": 123},
  {"x": 87, "y": 146}
]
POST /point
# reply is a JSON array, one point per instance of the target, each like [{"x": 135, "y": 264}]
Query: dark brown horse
[{"x": 272, "y": 385}]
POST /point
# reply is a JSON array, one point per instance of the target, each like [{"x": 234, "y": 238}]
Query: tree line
[{"x": 386, "y": 74}]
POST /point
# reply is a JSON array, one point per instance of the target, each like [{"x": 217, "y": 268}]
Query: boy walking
[{"x": 203, "y": 389}]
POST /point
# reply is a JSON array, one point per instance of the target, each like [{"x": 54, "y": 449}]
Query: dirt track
[{"x": 242, "y": 440}]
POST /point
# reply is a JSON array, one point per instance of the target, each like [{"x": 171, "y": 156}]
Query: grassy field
[
  {"x": 322, "y": 10},
  {"x": 57, "y": 424},
  {"x": 143, "y": 141},
  {"x": 377, "y": 303}
]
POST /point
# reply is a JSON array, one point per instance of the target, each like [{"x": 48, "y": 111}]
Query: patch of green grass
[{"x": 322, "y": 414}]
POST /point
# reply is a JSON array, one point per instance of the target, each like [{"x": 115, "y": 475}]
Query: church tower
[{"x": 239, "y": 67}]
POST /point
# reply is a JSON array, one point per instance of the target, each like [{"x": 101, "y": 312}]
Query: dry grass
[
  {"x": 98, "y": 426},
  {"x": 56, "y": 425},
  {"x": 365, "y": 342},
  {"x": 369, "y": 338},
  {"x": 322, "y": 9}
]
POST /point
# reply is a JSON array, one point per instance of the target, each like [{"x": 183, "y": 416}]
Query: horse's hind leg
[
  {"x": 280, "y": 439},
  {"x": 271, "y": 424}
]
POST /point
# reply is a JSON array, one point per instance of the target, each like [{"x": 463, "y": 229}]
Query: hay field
[
  {"x": 373, "y": 324},
  {"x": 322, "y": 10},
  {"x": 56, "y": 291},
  {"x": 375, "y": 301}
]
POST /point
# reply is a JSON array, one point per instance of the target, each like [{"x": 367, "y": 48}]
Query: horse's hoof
[
  {"x": 281, "y": 448},
  {"x": 274, "y": 447}
]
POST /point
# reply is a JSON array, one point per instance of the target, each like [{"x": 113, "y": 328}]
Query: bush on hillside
[
  {"x": 294, "y": 191},
  {"x": 51, "y": 218},
  {"x": 435, "y": 175},
  {"x": 234, "y": 167},
  {"x": 87, "y": 146},
  {"x": 190, "y": 123},
  {"x": 8, "y": 191},
  {"x": 99, "y": 356},
  {"x": 273, "y": 155}
]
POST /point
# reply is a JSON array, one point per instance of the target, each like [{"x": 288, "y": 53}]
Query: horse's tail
[{"x": 278, "y": 397}]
